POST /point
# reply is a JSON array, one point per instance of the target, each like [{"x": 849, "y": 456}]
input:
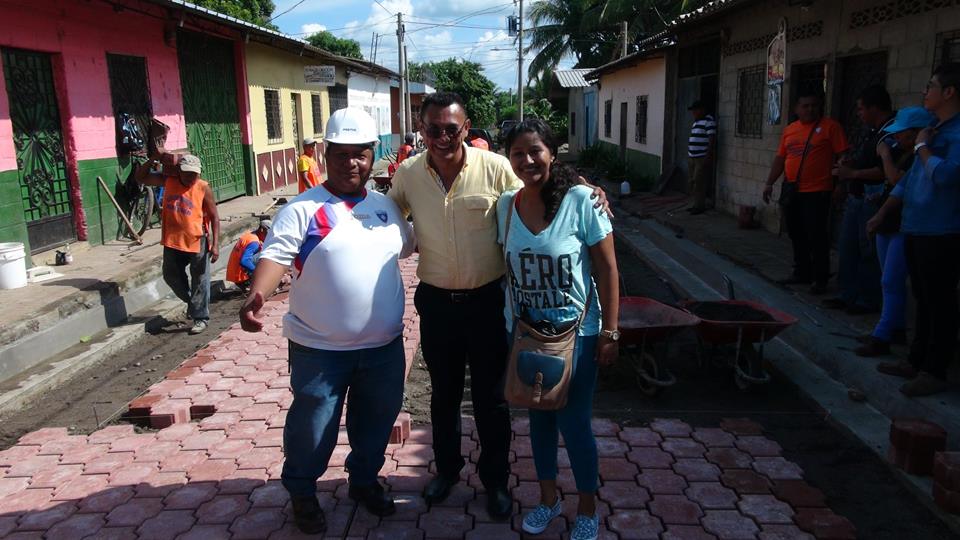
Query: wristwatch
[
  {"x": 918, "y": 146},
  {"x": 612, "y": 335}
]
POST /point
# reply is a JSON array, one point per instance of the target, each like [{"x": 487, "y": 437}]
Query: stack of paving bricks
[
  {"x": 946, "y": 481},
  {"x": 913, "y": 443},
  {"x": 247, "y": 374}
]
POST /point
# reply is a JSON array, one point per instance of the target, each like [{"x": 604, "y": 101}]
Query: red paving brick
[{"x": 218, "y": 477}]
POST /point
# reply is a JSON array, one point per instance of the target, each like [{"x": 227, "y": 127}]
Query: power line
[
  {"x": 384, "y": 8},
  {"x": 291, "y": 8}
]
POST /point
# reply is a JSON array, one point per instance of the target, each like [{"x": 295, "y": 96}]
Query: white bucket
[{"x": 13, "y": 266}]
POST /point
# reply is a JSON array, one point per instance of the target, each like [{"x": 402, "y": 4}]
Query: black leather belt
[{"x": 462, "y": 296}]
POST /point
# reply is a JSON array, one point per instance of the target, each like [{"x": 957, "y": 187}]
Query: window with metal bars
[
  {"x": 640, "y": 131},
  {"x": 948, "y": 48},
  {"x": 317, "y": 114},
  {"x": 337, "y": 95},
  {"x": 573, "y": 123},
  {"x": 751, "y": 85},
  {"x": 607, "y": 117},
  {"x": 271, "y": 101}
]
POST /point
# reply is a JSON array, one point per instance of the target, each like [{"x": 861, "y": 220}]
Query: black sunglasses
[{"x": 436, "y": 132}]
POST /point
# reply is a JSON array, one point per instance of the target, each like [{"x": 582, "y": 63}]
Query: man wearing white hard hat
[{"x": 345, "y": 320}]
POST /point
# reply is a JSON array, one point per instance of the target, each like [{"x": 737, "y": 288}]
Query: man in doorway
[
  {"x": 809, "y": 147},
  {"x": 858, "y": 273},
  {"x": 406, "y": 149},
  {"x": 308, "y": 171},
  {"x": 243, "y": 256},
  {"x": 701, "y": 148},
  {"x": 190, "y": 233},
  {"x": 452, "y": 191},
  {"x": 345, "y": 321}
]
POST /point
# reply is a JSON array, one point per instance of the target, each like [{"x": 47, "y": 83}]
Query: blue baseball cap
[{"x": 910, "y": 118}]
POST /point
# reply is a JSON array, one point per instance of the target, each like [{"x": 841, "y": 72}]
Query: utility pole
[
  {"x": 520, "y": 61},
  {"x": 401, "y": 65},
  {"x": 373, "y": 41},
  {"x": 623, "y": 26},
  {"x": 407, "y": 107}
]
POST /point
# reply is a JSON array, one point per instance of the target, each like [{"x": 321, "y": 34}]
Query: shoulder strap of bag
[
  {"x": 506, "y": 236},
  {"x": 806, "y": 148}
]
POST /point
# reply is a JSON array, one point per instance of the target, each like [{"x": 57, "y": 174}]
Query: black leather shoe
[
  {"x": 438, "y": 489},
  {"x": 308, "y": 516},
  {"x": 499, "y": 504},
  {"x": 373, "y": 499}
]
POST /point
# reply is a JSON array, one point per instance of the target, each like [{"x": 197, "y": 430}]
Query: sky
[{"x": 435, "y": 30}]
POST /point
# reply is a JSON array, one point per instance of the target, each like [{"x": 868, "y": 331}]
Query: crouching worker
[
  {"x": 344, "y": 323},
  {"x": 243, "y": 257}
]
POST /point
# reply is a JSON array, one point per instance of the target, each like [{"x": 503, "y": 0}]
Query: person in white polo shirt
[{"x": 345, "y": 321}]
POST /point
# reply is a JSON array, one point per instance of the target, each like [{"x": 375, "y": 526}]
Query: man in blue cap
[{"x": 929, "y": 196}]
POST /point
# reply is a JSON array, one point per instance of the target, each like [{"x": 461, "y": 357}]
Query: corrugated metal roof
[
  {"x": 710, "y": 8},
  {"x": 571, "y": 78}
]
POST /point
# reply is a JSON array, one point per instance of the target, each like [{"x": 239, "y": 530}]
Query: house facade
[
  {"x": 839, "y": 46},
  {"x": 417, "y": 91},
  {"x": 631, "y": 103},
  {"x": 69, "y": 69},
  {"x": 581, "y": 100},
  {"x": 368, "y": 88}
]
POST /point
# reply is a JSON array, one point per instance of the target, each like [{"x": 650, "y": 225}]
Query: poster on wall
[
  {"x": 322, "y": 75},
  {"x": 776, "y": 73}
]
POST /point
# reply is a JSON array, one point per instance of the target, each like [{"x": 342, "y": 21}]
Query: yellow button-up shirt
[{"x": 456, "y": 230}]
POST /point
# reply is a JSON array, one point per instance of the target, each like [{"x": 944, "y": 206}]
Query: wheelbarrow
[
  {"x": 644, "y": 321},
  {"x": 747, "y": 362}
]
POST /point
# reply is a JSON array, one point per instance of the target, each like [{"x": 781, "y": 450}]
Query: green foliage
[
  {"x": 605, "y": 159},
  {"x": 466, "y": 79},
  {"x": 254, "y": 11},
  {"x": 342, "y": 46},
  {"x": 542, "y": 109}
]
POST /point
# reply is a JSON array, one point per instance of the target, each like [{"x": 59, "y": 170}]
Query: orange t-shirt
[
  {"x": 235, "y": 272},
  {"x": 307, "y": 164},
  {"x": 403, "y": 152},
  {"x": 827, "y": 141},
  {"x": 479, "y": 142},
  {"x": 182, "y": 224}
]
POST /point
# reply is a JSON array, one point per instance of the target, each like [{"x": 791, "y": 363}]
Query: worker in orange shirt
[
  {"x": 406, "y": 149},
  {"x": 308, "y": 171},
  {"x": 243, "y": 258},
  {"x": 190, "y": 233}
]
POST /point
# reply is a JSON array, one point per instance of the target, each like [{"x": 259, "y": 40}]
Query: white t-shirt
[{"x": 347, "y": 291}]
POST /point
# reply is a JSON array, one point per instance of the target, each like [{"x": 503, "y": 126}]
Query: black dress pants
[
  {"x": 808, "y": 224},
  {"x": 933, "y": 263},
  {"x": 458, "y": 328}
]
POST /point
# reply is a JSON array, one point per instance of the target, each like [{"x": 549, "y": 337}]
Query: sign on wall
[
  {"x": 322, "y": 75},
  {"x": 776, "y": 73}
]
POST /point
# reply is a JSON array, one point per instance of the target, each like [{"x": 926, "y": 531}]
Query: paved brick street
[{"x": 213, "y": 469}]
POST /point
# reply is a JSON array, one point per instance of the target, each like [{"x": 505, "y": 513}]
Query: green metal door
[
  {"x": 208, "y": 81},
  {"x": 38, "y": 142}
]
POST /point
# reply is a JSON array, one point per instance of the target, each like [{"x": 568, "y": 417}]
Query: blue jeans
[
  {"x": 894, "y": 282},
  {"x": 573, "y": 421},
  {"x": 858, "y": 274},
  {"x": 321, "y": 379}
]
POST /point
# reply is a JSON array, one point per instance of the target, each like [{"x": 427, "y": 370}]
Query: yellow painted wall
[{"x": 275, "y": 69}]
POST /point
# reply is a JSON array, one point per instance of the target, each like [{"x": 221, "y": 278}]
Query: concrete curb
[
  {"x": 793, "y": 356},
  {"x": 86, "y": 313}
]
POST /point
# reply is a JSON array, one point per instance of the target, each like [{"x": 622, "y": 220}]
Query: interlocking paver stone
[
  {"x": 637, "y": 436},
  {"x": 492, "y": 531},
  {"x": 445, "y": 523},
  {"x": 134, "y": 512},
  {"x": 729, "y": 525},
  {"x": 683, "y": 447},
  {"x": 190, "y": 496},
  {"x": 758, "y": 446},
  {"x": 55, "y": 476},
  {"x": 697, "y": 470},
  {"x": 782, "y": 532},
  {"x": 207, "y": 532},
  {"x": 676, "y": 509},
  {"x": 670, "y": 427},
  {"x": 741, "y": 426},
  {"x": 798, "y": 493},
  {"x": 41, "y": 520},
  {"x": 662, "y": 481},
  {"x": 75, "y": 526},
  {"x": 607, "y": 447},
  {"x": 114, "y": 533},
  {"x": 212, "y": 470},
  {"x": 635, "y": 524},
  {"x": 81, "y": 487},
  {"x": 257, "y": 524},
  {"x": 650, "y": 458},
  {"x": 745, "y": 481},
  {"x": 24, "y": 501},
  {"x": 713, "y": 437},
  {"x": 712, "y": 495},
  {"x": 222, "y": 509},
  {"x": 106, "y": 500},
  {"x": 624, "y": 494},
  {"x": 777, "y": 468},
  {"x": 824, "y": 523},
  {"x": 167, "y": 525},
  {"x": 617, "y": 469},
  {"x": 161, "y": 484},
  {"x": 396, "y": 530},
  {"x": 729, "y": 458},
  {"x": 687, "y": 532},
  {"x": 766, "y": 509}
]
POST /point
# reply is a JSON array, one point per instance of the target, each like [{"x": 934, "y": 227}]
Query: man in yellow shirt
[
  {"x": 308, "y": 171},
  {"x": 452, "y": 191}
]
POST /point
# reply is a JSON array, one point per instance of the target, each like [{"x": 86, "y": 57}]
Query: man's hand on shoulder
[{"x": 602, "y": 203}]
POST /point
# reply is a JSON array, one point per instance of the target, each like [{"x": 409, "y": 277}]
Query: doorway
[
  {"x": 623, "y": 131},
  {"x": 38, "y": 143},
  {"x": 295, "y": 118},
  {"x": 854, "y": 75}
]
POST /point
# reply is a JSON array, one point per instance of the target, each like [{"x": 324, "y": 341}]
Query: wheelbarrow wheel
[{"x": 645, "y": 363}]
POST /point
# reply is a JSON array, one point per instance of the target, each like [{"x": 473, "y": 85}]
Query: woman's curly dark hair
[{"x": 562, "y": 177}]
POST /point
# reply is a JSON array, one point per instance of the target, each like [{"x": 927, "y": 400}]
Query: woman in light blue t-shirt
[{"x": 557, "y": 243}]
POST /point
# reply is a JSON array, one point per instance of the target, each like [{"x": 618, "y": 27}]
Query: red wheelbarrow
[
  {"x": 645, "y": 321},
  {"x": 742, "y": 323}
]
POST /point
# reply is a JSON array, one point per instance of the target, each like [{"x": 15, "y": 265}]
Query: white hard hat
[{"x": 351, "y": 126}]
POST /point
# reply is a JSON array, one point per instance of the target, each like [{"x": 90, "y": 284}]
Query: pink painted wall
[{"x": 82, "y": 32}]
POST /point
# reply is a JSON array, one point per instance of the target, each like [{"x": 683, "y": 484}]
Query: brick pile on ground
[{"x": 218, "y": 476}]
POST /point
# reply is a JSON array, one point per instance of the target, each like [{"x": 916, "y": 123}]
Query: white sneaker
[
  {"x": 199, "y": 326},
  {"x": 586, "y": 528},
  {"x": 540, "y": 517}
]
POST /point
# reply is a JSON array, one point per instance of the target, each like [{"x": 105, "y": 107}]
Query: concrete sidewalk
[
  {"x": 215, "y": 473},
  {"x": 101, "y": 288}
]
